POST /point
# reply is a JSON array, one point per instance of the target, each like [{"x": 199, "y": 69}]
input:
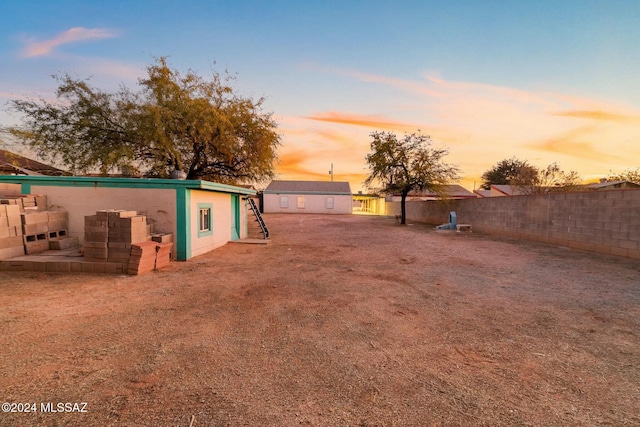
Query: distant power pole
[{"x": 331, "y": 172}]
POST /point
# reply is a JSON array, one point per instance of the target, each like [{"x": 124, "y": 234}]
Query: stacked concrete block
[
  {"x": 26, "y": 202},
  {"x": 12, "y": 200},
  {"x": 125, "y": 229},
  {"x": 10, "y": 221},
  {"x": 148, "y": 256},
  {"x": 58, "y": 224},
  {"x": 96, "y": 237},
  {"x": 165, "y": 245},
  {"x": 24, "y": 217},
  {"x": 110, "y": 236},
  {"x": 11, "y": 243},
  {"x": 128, "y": 227},
  {"x": 163, "y": 255},
  {"x": 143, "y": 258},
  {"x": 35, "y": 229}
]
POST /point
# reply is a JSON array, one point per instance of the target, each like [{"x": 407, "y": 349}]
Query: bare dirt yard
[{"x": 340, "y": 320}]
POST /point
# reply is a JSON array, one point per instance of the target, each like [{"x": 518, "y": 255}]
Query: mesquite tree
[
  {"x": 173, "y": 122},
  {"x": 405, "y": 164}
]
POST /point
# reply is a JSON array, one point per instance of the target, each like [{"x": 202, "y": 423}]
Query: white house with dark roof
[{"x": 315, "y": 197}]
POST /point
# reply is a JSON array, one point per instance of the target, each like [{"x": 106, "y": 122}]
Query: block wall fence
[{"x": 600, "y": 221}]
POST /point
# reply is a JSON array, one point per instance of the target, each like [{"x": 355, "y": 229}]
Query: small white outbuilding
[{"x": 313, "y": 197}]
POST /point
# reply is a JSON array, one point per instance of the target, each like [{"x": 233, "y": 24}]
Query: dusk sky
[{"x": 543, "y": 81}]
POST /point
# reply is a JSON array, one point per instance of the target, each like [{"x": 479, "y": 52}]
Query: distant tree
[
  {"x": 506, "y": 171},
  {"x": 528, "y": 178},
  {"x": 632, "y": 175},
  {"x": 548, "y": 180},
  {"x": 409, "y": 163},
  {"x": 174, "y": 122}
]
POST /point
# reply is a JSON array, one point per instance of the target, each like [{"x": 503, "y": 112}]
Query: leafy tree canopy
[
  {"x": 409, "y": 163},
  {"x": 632, "y": 175},
  {"x": 528, "y": 178},
  {"x": 505, "y": 171},
  {"x": 173, "y": 122}
]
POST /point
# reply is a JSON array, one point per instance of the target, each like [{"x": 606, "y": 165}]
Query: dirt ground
[{"x": 340, "y": 320}]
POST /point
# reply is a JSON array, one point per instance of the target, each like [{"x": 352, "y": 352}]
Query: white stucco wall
[
  {"x": 157, "y": 204},
  {"x": 221, "y": 221},
  {"x": 313, "y": 204}
]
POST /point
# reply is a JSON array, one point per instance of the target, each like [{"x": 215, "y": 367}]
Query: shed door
[{"x": 235, "y": 216}]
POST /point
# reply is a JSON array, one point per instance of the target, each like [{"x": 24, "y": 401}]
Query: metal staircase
[{"x": 256, "y": 212}]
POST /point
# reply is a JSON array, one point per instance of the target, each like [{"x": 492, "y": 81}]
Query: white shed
[{"x": 315, "y": 197}]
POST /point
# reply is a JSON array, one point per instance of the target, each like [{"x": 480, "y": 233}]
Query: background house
[
  {"x": 612, "y": 185},
  {"x": 483, "y": 193},
  {"x": 307, "y": 197},
  {"x": 450, "y": 191},
  {"x": 16, "y": 164},
  {"x": 201, "y": 215}
]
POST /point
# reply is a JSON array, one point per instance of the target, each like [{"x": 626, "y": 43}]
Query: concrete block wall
[{"x": 600, "y": 221}]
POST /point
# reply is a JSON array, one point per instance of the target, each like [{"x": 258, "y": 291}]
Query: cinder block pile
[
  {"x": 25, "y": 221},
  {"x": 108, "y": 235},
  {"x": 96, "y": 238},
  {"x": 35, "y": 228},
  {"x": 58, "y": 225},
  {"x": 143, "y": 258},
  {"x": 11, "y": 243},
  {"x": 124, "y": 238},
  {"x": 148, "y": 256},
  {"x": 26, "y": 202},
  {"x": 163, "y": 255}
]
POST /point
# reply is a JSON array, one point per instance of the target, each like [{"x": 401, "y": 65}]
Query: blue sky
[{"x": 544, "y": 81}]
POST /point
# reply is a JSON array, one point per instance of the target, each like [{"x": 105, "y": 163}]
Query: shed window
[
  {"x": 284, "y": 202},
  {"x": 205, "y": 224},
  {"x": 301, "y": 202},
  {"x": 328, "y": 203}
]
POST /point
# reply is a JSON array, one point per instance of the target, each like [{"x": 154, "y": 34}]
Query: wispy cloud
[
  {"x": 578, "y": 143},
  {"x": 72, "y": 35},
  {"x": 370, "y": 121},
  {"x": 599, "y": 115}
]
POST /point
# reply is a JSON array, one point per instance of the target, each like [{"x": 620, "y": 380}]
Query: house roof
[
  {"x": 483, "y": 193},
  {"x": 509, "y": 190},
  {"x": 308, "y": 187},
  {"x": 18, "y": 164},
  {"x": 453, "y": 191},
  {"x": 614, "y": 184}
]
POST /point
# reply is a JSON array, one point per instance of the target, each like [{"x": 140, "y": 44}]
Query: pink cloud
[
  {"x": 372, "y": 121},
  {"x": 73, "y": 35}
]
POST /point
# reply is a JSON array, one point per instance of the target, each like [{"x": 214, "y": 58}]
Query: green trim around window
[{"x": 205, "y": 207}]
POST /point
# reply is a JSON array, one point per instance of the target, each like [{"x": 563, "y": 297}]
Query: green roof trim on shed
[{"x": 85, "y": 181}]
